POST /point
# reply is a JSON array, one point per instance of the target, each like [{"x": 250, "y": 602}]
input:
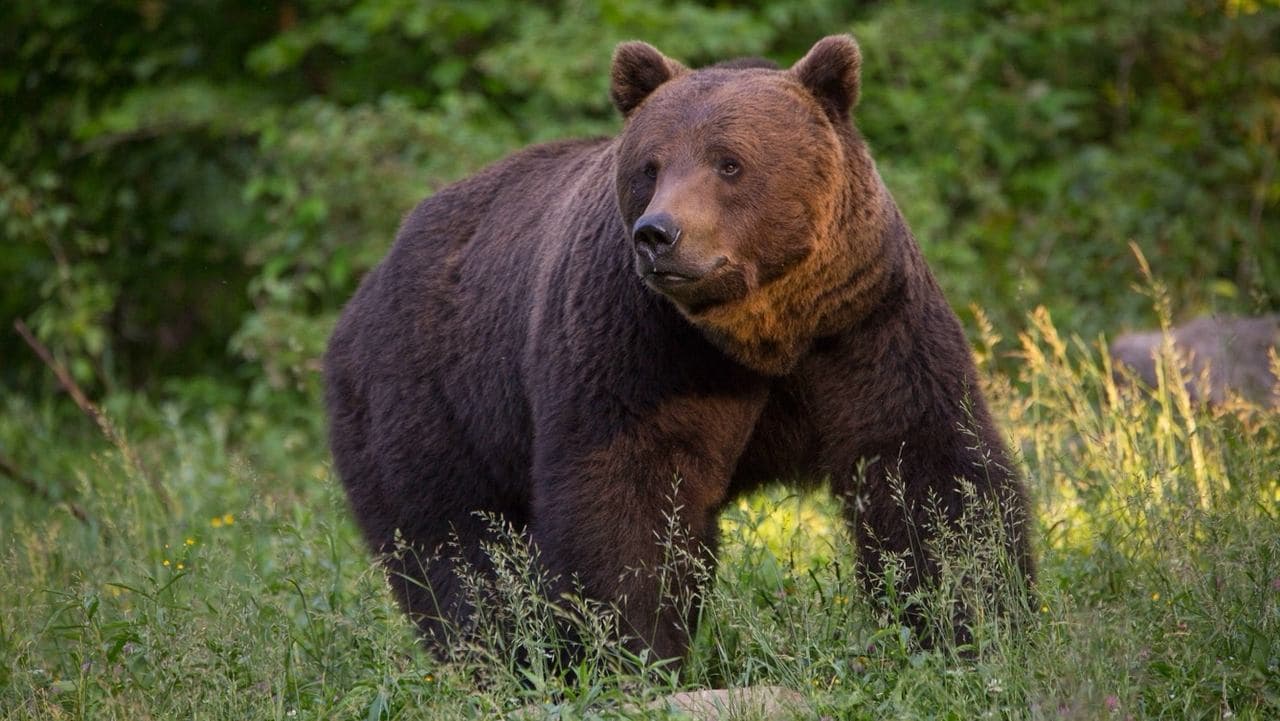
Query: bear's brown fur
[{"x": 725, "y": 294}]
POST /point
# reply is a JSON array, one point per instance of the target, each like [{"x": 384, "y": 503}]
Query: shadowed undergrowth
[{"x": 253, "y": 597}]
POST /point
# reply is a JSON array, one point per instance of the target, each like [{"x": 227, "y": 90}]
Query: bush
[{"x": 195, "y": 190}]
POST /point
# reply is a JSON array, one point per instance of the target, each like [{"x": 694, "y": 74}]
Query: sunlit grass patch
[{"x": 780, "y": 527}]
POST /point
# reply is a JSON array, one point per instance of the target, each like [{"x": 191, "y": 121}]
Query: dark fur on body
[{"x": 507, "y": 358}]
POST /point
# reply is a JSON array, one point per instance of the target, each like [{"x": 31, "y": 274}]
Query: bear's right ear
[{"x": 638, "y": 70}]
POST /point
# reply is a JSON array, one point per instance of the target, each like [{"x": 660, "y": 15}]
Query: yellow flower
[
  {"x": 216, "y": 522},
  {"x": 228, "y": 519},
  {"x": 190, "y": 542},
  {"x": 166, "y": 562},
  {"x": 1155, "y": 596},
  {"x": 1044, "y": 609},
  {"x": 181, "y": 566}
]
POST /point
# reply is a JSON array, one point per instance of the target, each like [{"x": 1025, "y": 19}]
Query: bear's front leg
[
  {"x": 915, "y": 456},
  {"x": 624, "y": 511},
  {"x": 946, "y": 508}
]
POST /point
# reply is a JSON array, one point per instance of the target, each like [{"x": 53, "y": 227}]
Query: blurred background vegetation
[{"x": 189, "y": 191}]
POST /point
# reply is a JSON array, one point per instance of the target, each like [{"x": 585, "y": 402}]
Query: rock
[
  {"x": 757, "y": 703},
  {"x": 752, "y": 703},
  {"x": 1233, "y": 352}
]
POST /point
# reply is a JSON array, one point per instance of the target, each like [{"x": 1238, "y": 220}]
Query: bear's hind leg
[{"x": 446, "y": 583}]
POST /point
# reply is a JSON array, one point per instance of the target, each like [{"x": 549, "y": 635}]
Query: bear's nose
[{"x": 655, "y": 234}]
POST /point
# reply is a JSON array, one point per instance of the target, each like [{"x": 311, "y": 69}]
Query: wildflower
[
  {"x": 1112, "y": 703},
  {"x": 216, "y": 522},
  {"x": 1275, "y": 584},
  {"x": 190, "y": 542},
  {"x": 228, "y": 519},
  {"x": 1155, "y": 596},
  {"x": 166, "y": 562},
  {"x": 181, "y": 566},
  {"x": 1044, "y": 609}
]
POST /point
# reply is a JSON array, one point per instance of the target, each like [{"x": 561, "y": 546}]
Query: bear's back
[{"x": 439, "y": 327}]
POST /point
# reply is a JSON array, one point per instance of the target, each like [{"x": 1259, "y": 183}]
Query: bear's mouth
[
  {"x": 696, "y": 289},
  {"x": 665, "y": 275},
  {"x": 670, "y": 271},
  {"x": 669, "y": 278}
]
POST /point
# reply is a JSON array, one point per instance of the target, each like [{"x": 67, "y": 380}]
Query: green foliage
[
  {"x": 196, "y": 188},
  {"x": 1032, "y": 149}
]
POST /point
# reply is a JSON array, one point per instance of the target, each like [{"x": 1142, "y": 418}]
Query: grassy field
[{"x": 216, "y": 574}]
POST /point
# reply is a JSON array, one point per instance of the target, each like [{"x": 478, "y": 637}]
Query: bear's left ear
[
  {"x": 832, "y": 71},
  {"x": 638, "y": 70}
]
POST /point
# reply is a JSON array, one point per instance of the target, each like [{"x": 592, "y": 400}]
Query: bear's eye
[
  {"x": 730, "y": 167},
  {"x": 651, "y": 170}
]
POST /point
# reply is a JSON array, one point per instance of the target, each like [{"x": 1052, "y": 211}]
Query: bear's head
[{"x": 747, "y": 193}]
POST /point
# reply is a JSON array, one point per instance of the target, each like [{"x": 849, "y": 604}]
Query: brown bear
[{"x": 725, "y": 294}]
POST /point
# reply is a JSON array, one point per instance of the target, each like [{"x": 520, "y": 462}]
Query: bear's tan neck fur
[{"x": 833, "y": 288}]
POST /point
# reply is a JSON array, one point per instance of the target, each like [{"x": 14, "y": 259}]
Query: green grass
[{"x": 251, "y": 595}]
